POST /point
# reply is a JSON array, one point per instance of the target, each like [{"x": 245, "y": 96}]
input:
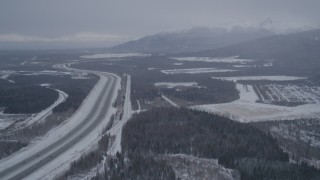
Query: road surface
[{"x": 29, "y": 162}]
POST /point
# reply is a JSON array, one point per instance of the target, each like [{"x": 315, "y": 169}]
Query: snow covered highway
[{"x": 46, "y": 158}]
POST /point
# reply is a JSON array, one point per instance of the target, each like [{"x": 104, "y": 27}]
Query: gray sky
[{"x": 80, "y": 23}]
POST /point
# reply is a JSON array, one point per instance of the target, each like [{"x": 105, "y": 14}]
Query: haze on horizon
[{"x": 41, "y": 24}]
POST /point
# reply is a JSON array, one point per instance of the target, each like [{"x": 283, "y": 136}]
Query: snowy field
[
  {"x": 195, "y": 71},
  {"x": 189, "y": 167},
  {"x": 123, "y": 55},
  {"x": 219, "y": 60},
  {"x": 246, "y": 109},
  {"x": 243, "y": 66},
  {"x": 270, "y": 78},
  {"x": 288, "y": 93},
  {"x": 74, "y": 74},
  {"x": 5, "y": 74},
  {"x": 7, "y": 119},
  {"x": 176, "y": 84}
]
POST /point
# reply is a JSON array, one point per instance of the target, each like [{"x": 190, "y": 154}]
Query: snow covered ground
[
  {"x": 189, "y": 167},
  {"x": 5, "y": 74},
  {"x": 60, "y": 163},
  {"x": 170, "y": 101},
  {"x": 176, "y": 84},
  {"x": 195, "y": 71},
  {"x": 63, "y": 161},
  {"x": 116, "y": 130},
  {"x": 234, "y": 59},
  {"x": 271, "y": 78},
  {"x": 290, "y": 93},
  {"x": 7, "y": 119},
  {"x": 243, "y": 66},
  {"x": 123, "y": 55},
  {"x": 73, "y": 74},
  {"x": 246, "y": 109},
  {"x": 43, "y": 114}
]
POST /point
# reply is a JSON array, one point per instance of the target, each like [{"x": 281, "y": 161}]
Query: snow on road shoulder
[
  {"x": 59, "y": 131},
  {"x": 43, "y": 114},
  {"x": 34, "y": 117},
  {"x": 62, "y": 162},
  {"x": 62, "y": 130},
  {"x": 117, "y": 129}
]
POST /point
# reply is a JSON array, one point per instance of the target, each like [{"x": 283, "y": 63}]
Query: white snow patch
[
  {"x": 271, "y": 78},
  {"x": 23, "y": 63},
  {"x": 45, "y": 85},
  {"x": 177, "y": 64},
  {"x": 195, "y": 71},
  {"x": 188, "y": 167},
  {"x": 5, "y": 75},
  {"x": 123, "y": 55},
  {"x": 170, "y": 101},
  {"x": 246, "y": 109},
  {"x": 243, "y": 66},
  {"x": 8, "y": 119},
  {"x": 176, "y": 84},
  {"x": 116, "y": 130},
  {"x": 233, "y": 59},
  {"x": 74, "y": 74},
  {"x": 290, "y": 93}
]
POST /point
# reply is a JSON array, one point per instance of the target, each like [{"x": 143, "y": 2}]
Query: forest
[
  {"x": 25, "y": 98},
  {"x": 77, "y": 90},
  {"x": 235, "y": 145}
]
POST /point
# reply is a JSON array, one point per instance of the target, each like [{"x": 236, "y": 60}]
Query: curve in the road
[{"x": 28, "y": 165}]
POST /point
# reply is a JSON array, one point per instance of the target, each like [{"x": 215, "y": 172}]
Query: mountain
[
  {"x": 291, "y": 50},
  {"x": 191, "y": 40}
]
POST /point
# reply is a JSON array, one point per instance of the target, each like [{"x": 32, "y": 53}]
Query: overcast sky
[{"x": 107, "y": 22}]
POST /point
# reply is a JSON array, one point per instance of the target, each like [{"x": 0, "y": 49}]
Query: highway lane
[{"x": 26, "y": 166}]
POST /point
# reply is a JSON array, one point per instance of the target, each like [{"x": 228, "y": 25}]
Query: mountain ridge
[
  {"x": 191, "y": 40},
  {"x": 291, "y": 50}
]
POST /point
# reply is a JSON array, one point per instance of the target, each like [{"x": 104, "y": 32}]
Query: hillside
[
  {"x": 192, "y": 40},
  {"x": 239, "y": 146},
  {"x": 298, "y": 50}
]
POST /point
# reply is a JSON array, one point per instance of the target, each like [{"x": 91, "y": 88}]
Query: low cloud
[{"x": 78, "y": 37}]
